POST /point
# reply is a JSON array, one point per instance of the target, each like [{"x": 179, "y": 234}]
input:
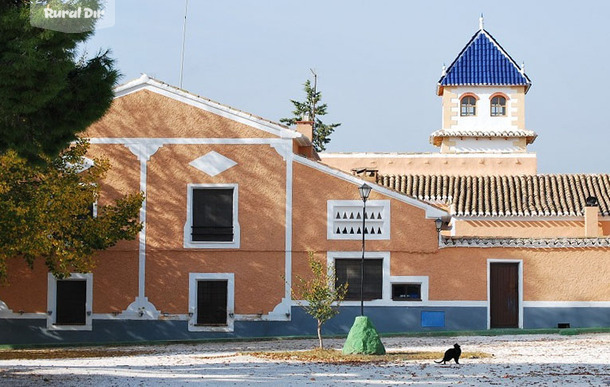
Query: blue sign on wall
[{"x": 433, "y": 319}]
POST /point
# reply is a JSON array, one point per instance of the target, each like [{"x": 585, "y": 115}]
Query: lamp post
[{"x": 364, "y": 190}]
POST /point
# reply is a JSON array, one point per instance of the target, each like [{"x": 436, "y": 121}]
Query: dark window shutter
[
  {"x": 348, "y": 270},
  {"x": 212, "y": 303},
  {"x": 212, "y": 215},
  {"x": 71, "y": 302}
]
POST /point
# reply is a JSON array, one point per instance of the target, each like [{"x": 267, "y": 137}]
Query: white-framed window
[
  {"x": 344, "y": 219},
  {"x": 376, "y": 274},
  {"x": 70, "y": 302},
  {"x": 409, "y": 288},
  {"x": 211, "y": 302},
  {"x": 212, "y": 216}
]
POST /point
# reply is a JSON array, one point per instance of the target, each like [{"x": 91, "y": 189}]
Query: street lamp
[
  {"x": 439, "y": 224},
  {"x": 365, "y": 191}
]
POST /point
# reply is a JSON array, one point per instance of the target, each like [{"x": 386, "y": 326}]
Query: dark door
[
  {"x": 504, "y": 295},
  {"x": 71, "y": 302},
  {"x": 212, "y": 303}
]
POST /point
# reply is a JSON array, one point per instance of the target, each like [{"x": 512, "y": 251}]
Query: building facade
[{"x": 234, "y": 204}]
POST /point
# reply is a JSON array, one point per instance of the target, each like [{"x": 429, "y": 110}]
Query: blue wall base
[{"x": 386, "y": 320}]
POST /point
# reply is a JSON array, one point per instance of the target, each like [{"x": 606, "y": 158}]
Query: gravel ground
[{"x": 539, "y": 360}]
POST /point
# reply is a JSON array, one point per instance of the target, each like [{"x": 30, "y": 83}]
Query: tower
[{"x": 483, "y": 101}]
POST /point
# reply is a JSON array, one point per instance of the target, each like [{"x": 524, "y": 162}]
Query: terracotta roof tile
[{"x": 525, "y": 195}]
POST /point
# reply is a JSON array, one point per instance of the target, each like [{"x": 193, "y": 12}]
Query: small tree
[
  {"x": 310, "y": 108},
  {"x": 320, "y": 293}
]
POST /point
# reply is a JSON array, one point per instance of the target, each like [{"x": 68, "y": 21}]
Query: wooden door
[
  {"x": 504, "y": 295},
  {"x": 212, "y": 303},
  {"x": 71, "y": 302}
]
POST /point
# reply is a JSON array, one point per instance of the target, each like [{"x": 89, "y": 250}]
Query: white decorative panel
[
  {"x": 212, "y": 163},
  {"x": 344, "y": 219}
]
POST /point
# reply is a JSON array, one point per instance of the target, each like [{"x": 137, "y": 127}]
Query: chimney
[
  {"x": 368, "y": 174},
  {"x": 591, "y": 220},
  {"x": 305, "y": 127}
]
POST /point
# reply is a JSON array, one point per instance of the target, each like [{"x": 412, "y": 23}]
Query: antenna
[
  {"x": 186, "y": 7},
  {"x": 315, "y": 92}
]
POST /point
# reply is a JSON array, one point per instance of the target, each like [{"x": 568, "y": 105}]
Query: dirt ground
[{"x": 538, "y": 360}]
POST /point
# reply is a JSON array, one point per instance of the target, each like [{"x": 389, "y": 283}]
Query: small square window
[{"x": 406, "y": 292}]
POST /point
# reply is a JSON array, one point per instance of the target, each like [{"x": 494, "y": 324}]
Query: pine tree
[
  {"x": 47, "y": 93},
  {"x": 310, "y": 108}
]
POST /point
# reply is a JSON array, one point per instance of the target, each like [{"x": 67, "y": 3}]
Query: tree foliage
[
  {"x": 321, "y": 131},
  {"x": 48, "y": 94},
  {"x": 322, "y": 297},
  {"x": 46, "y": 212}
]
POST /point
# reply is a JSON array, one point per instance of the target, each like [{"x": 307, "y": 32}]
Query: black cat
[{"x": 451, "y": 353}]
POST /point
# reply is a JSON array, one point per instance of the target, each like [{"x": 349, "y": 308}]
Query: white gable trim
[
  {"x": 147, "y": 83},
  {"x": 431, "y": 212}
]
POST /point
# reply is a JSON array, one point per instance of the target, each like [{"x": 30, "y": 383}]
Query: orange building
[{"x": 235, "y": 202}]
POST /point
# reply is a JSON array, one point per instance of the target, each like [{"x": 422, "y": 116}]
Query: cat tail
[{"x": 438, "y": 362}]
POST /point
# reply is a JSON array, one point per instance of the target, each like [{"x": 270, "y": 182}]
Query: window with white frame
[
  {"x": 409, "y": 288},
  {"x": 348, "y": 271},
  {"x": 346, "y": 264},
  {"x": 211, "y": 302},
  {"x": 70, "y": 302},
  {"x": 344, "y": 219},
  {"x": 212, "y": 216}
]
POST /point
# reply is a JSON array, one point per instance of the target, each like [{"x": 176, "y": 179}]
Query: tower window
[
  {"x": 498, "y": 106},
  {"x": 468, "y": 106}
]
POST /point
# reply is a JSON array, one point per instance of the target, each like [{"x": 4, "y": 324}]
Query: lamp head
[
  {"x": 365, "y": 191},
  {"x": 439, "y": 224}
]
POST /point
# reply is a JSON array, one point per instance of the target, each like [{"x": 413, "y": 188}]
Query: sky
[{"x": 378, "y": 64}]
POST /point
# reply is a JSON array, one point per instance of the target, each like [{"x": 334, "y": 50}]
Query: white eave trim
[
  {"x": 147, "y": 83},
  {"x": 548, "y": 243},
  {"x": 431, "y": 211}
]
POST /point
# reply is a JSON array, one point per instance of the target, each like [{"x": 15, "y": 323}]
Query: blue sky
[{"x": 378, "y": 63}]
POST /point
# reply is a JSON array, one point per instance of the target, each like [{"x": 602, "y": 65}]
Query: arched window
[
  {"x": 498, "y": 106},
  {"x": 468, "y": 106}
]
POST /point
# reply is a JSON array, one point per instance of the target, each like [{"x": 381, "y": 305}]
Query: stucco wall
[
  {"x": 482, "y": 120},
  {"x": 434, "y": 163},
  {"x": 147, "y": 114}
]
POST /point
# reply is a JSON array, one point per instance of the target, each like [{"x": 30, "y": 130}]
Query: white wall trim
[
  {"x": 7, "y": 313},
  {"x": 431, "y": 211},
  {"x": 188, "y": 243},
  {"x": 282, "y": 311},
  {"x": 520, "y": 288},
  {"x": 400, "y": 304},
  {"x": 566, "y": 304},
  {"x": 52, "y": 303},
  {"x": 153, "y": 141},
  {"x": 192, "y": 321}
]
